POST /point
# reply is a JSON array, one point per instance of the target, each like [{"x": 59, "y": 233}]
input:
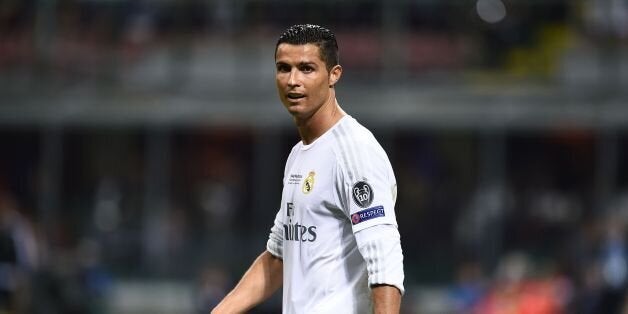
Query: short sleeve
[
  {"x": 275, "y": 238},
  {"x": 366, "y": 186}
]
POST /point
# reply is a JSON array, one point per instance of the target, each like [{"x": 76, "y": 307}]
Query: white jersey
[{"x": 332, "y": 188}]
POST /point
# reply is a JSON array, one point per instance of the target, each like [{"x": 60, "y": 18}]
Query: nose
[{"x": 293, "y": 79}]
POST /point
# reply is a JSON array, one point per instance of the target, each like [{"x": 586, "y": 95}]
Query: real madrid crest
[{"x": 308, "y": 183}]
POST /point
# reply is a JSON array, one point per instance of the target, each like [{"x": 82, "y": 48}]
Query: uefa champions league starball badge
[{"x": 362, "y": 194}]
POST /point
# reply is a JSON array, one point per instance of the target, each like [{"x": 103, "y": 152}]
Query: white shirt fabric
[{"x": 335, "y": 187}]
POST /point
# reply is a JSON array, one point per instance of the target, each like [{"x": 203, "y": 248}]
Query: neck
[{"x": 313, "y": 127}]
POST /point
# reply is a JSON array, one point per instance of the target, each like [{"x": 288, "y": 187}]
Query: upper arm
[
  {"x": 274, "y": 245},
  {"x": 365, "y": 185},
  {"x": 380, "y": 246}
]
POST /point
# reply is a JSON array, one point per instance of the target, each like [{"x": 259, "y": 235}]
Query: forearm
[
  {"x": 386, "y": 299},
  {"x": 259, "y": 282}
]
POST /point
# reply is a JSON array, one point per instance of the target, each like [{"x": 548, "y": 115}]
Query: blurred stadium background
[{"x": 142, "y": 147}]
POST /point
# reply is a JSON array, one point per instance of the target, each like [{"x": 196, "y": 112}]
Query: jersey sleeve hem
[
  {"x": 380, "y": 247},
  {"x": 274, "y": 245}
]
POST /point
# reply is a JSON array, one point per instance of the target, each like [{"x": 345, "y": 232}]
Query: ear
[{"x": 334, "y": 75}]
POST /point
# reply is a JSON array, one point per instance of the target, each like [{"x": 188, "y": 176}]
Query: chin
[
  {"x": 296, "y": 113},
  {"x": 294, "y": 107}
]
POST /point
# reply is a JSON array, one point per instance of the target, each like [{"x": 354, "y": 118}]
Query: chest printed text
[{"x": 296, "y": 231}]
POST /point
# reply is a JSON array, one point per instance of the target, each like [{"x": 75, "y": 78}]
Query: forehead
[{"x": 290, "y": 53}]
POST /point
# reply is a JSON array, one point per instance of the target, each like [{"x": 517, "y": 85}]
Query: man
[{"x": 334, "y": 246}]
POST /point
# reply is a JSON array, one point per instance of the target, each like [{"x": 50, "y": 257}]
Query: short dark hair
[{"x": 322, "y": 37}]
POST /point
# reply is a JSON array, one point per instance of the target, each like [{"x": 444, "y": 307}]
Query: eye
[
  {"x": 283, "y": 68},
  {"x": 307, "y": 69}
]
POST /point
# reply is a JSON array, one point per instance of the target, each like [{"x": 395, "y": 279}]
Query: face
[{"x": 303, "y": 82}]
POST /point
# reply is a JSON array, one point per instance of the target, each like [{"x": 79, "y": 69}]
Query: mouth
[{"x": 294, "y": 96}]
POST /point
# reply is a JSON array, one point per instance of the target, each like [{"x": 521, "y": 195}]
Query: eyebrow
[
  {"x": 307, "y": 63},
  {"x": 302, "y": 63}
]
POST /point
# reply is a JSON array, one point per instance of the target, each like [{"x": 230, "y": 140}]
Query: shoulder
[
  {"x": 295, "y": 148},
  {"x": 292, "y": 155},
  {"x": 356, "y": 149},
  {"x": 353, "y": 137}
]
